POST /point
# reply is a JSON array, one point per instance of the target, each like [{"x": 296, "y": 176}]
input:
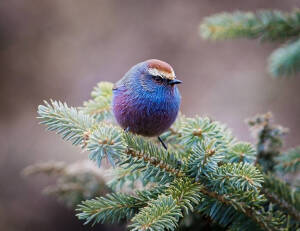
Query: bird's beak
[{"x": 175, "y": 81}]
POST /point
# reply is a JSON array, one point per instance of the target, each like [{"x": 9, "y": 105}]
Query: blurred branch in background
[
  {"x": 269, "y": 140},
  {"x": 267, "y": 25},
  {"x": 273, "y": 162},
  {"x": 290, "y": 161},
  {"x": 75, "y": 182}
]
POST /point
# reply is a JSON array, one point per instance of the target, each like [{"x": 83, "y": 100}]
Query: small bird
[{"x": 146, "y": 100}]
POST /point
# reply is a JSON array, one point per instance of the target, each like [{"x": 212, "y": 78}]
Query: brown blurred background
[{"x": 60, "y": 49}]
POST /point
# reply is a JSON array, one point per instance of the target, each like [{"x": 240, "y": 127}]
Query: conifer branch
[
  {"x": 285, "y": 61},
  {"x": 143, "y": 160},
  {"x": 186, "y": 193},
  {"x": 266, "y": 25},
  {"x": 154, "y": 161},
  {"x": 205, "y": 157},
  {"x": 101, "y": 139},
  {"x": 70, "y": 123},
  {"x": 230, "y": 178},
  {"x": 289, "y": 162},
  {"x": 105, "y": 141},
  {"x": 126, "y": 176},
  {"x": 75, "y": 182},
  {"x": 196, "y": 129},
  {"x": 201, "y": 151},
  {"x": 257, "y": 215},
  {"x": 116, "y": 206},
  {"x": 161, "y": 214},
  {"x": 49, "y": 168},
  {"x": 111, "y": 208},
  {"x": 269, "y": 140},
  {"x": 281, "y": 194},
  {"x": 99, "y": 106},
  {"x": 241, "y": 152}
]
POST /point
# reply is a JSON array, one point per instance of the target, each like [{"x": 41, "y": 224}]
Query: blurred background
[{"x": 60, "y": 49}]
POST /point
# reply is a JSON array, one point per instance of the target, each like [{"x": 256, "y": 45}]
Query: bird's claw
[{"x": 162, "y": 142}]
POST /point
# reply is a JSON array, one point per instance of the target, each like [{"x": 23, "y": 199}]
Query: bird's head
[
  {"x": 154, "y": 75},
  {"x": 161, "y": 72}
]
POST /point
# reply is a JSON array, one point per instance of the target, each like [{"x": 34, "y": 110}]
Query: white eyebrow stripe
[{"x": 155, "y": 72}]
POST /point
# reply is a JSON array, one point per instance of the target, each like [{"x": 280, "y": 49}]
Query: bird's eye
[{"x": 158, "y": 79}]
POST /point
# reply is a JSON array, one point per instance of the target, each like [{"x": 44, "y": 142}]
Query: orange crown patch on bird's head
[{"x": 161, "y": 68}]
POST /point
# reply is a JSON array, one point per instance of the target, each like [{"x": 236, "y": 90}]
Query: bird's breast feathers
[{"x": 146, "y": 103}]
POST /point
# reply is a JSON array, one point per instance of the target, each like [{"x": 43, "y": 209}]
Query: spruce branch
[
  {"x": 285, "y": 61},
  {"x": 270, "y": 220},
  {"x": 100, "y": 105},
  {"x": 105, "y": 141},
  {"x": 111, "y": 208},
  {"x": 70, "y": 123},
  {"x": 241, "y": 152},
  {"x": 116, "y": 206},
  {"x": 139, "y": 145},
  {"x": 126, "y": 176},
  {"x": 151, "y": 159},
  {"x": 230, "y": 178},
  {"x": 75, "y": 182},
  {"x": 269, "y": 140},
  {"x": 195, "y": 129},
  {"x": 100, "y": 139},
  {"x": 289, "y": 162},
  {"x": 256, "y": 214},
  {"x": 281, "y": 194},
  {"x": 205, "y": 170},
  {"x": 186, "y": 193},
  {"x": 266, "y": 25},
  {"x": 247, "y": 203},
  {"x": 205, "y": 157},
  {"x": 217, "y": 211},
  {"x": 48, "y": 168},
  {"x": 161, "y": 214}
]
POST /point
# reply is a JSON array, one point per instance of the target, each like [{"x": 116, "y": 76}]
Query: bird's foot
[{"x": 162, "y": 142}]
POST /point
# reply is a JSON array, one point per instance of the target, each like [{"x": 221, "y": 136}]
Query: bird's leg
[{"x": 162, "y": 142}]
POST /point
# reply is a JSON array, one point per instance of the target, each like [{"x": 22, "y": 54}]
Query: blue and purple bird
[{"x": 146, "y": 100}]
